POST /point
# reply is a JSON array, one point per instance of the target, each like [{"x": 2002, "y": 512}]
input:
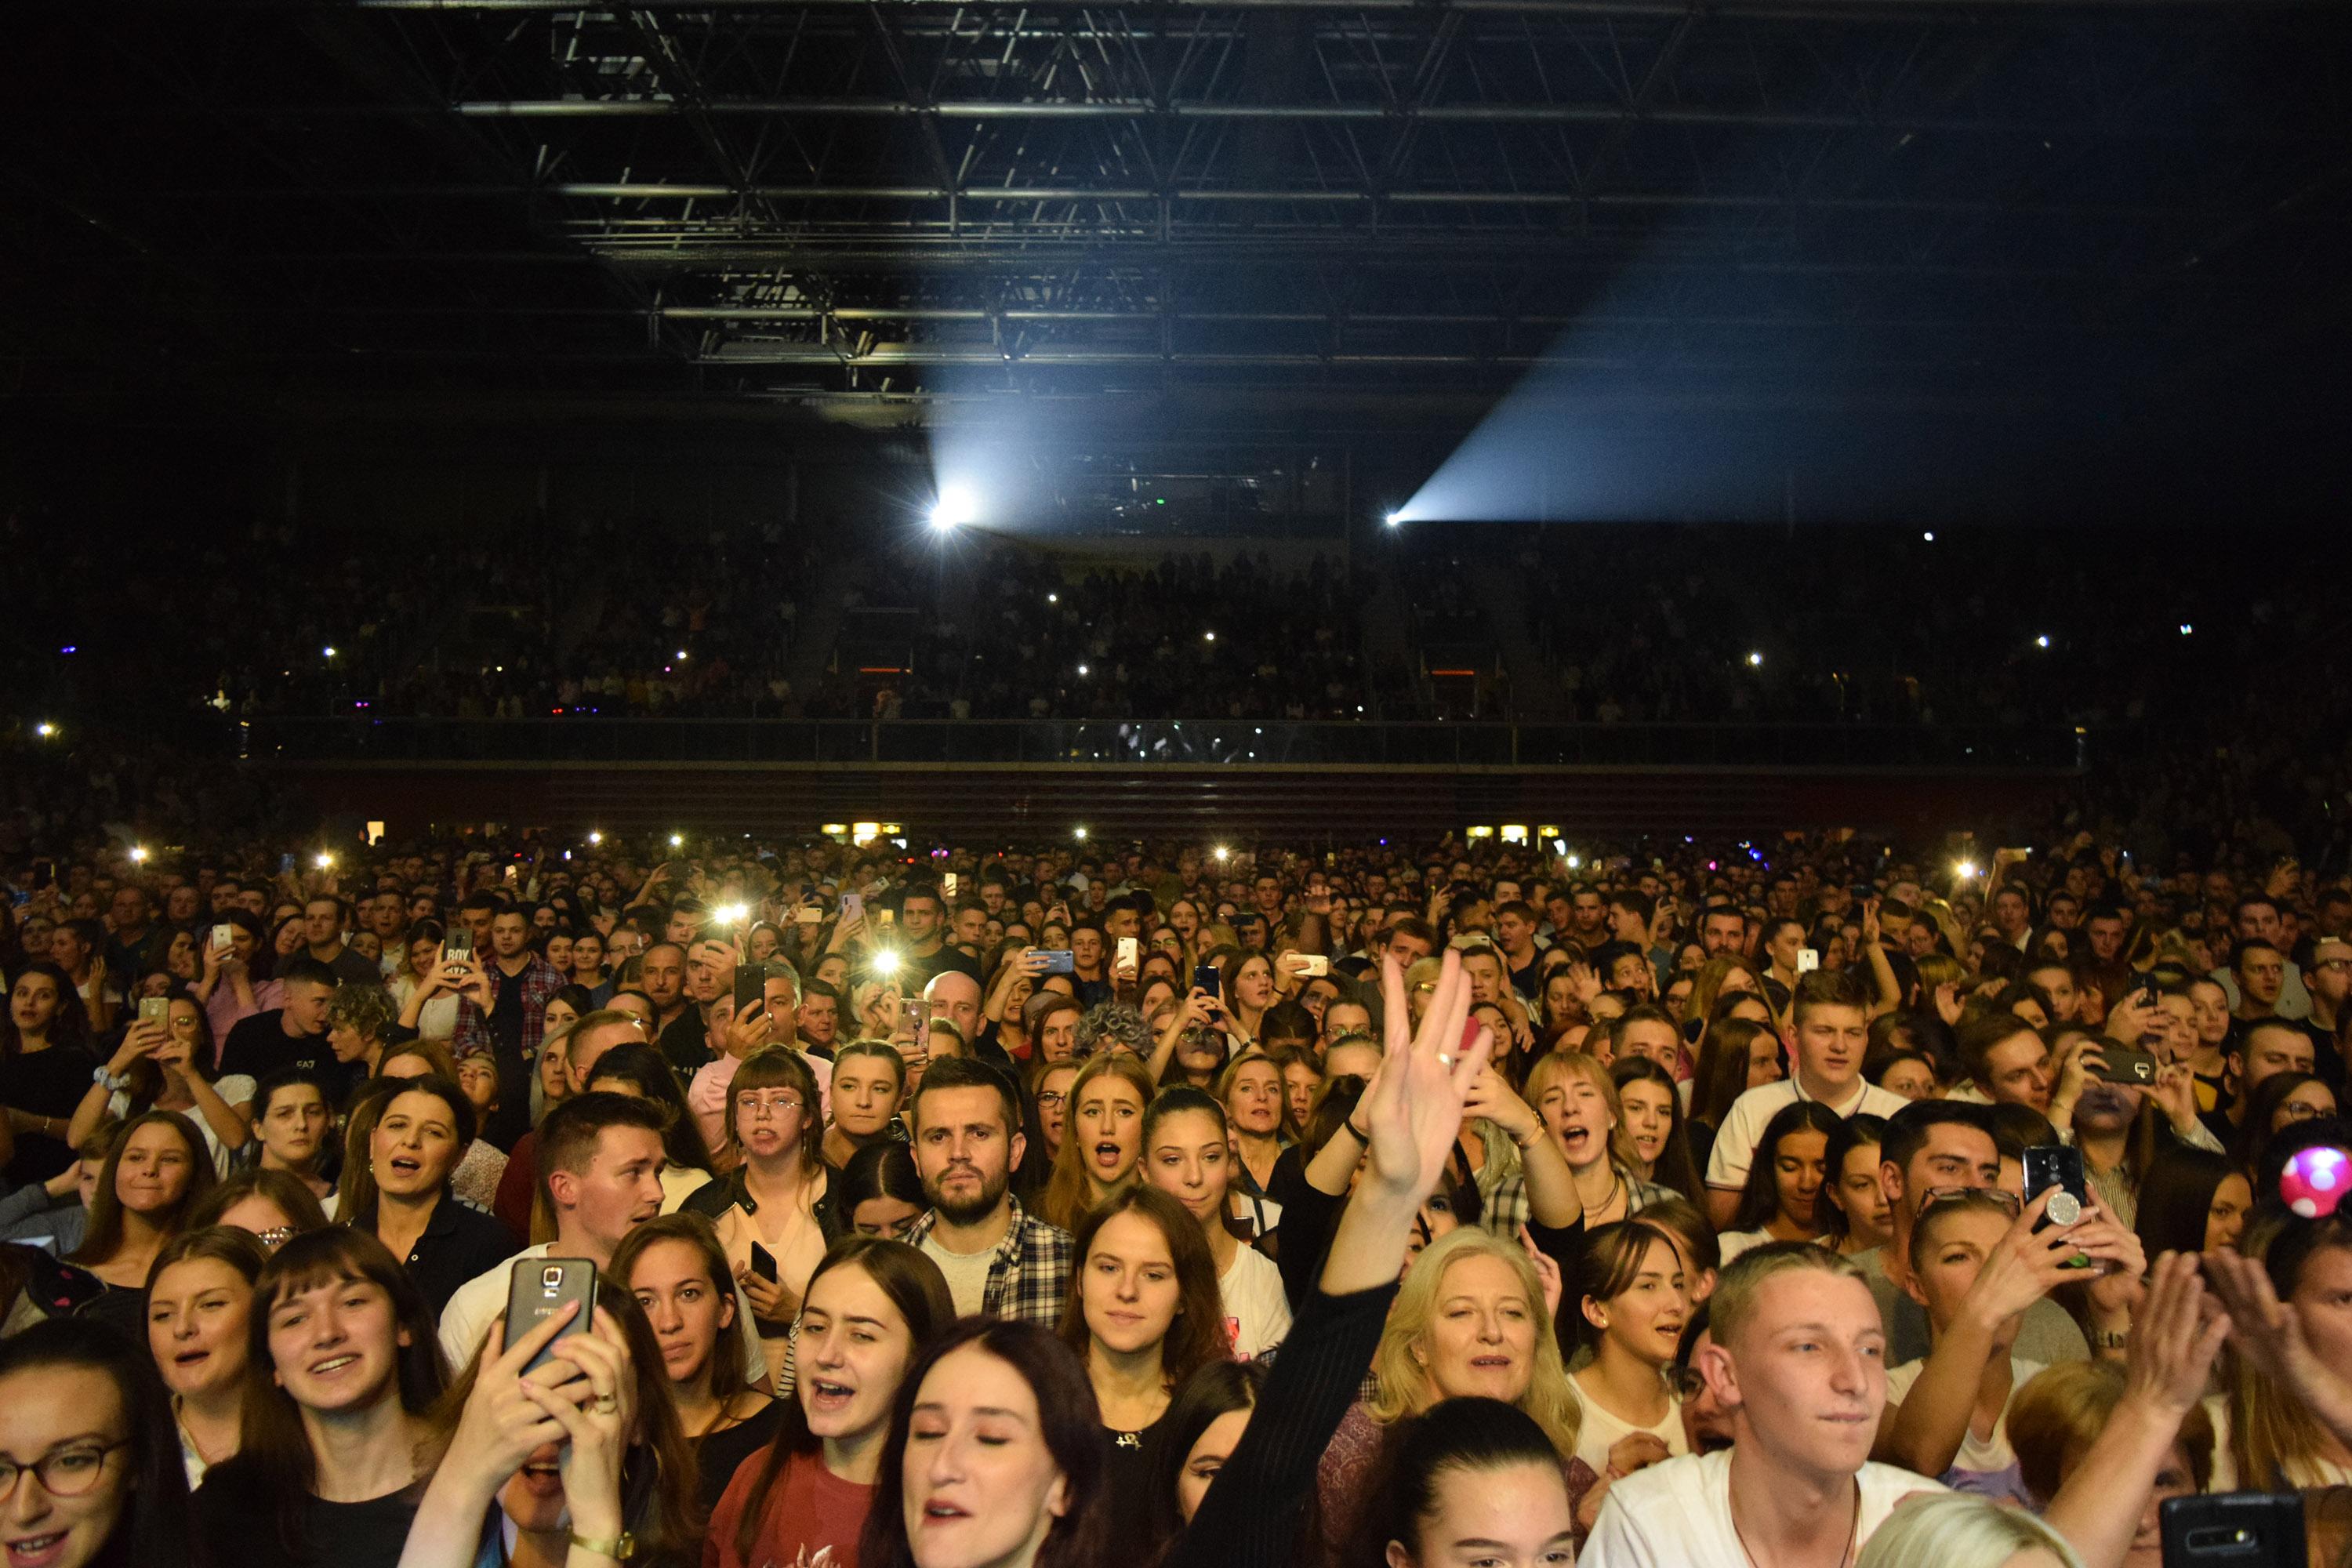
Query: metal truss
[{"x": 841, "y": 196}]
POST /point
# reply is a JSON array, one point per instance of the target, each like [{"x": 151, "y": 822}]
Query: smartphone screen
[
  {"x": 1128, "y": 948},
  {"x": 1206, "y": 978}
]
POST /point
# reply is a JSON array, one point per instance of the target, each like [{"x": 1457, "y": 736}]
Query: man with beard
[{"x": 998, "y": 1261}]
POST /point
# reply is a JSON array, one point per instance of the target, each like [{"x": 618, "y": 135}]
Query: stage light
[
  {"x": 46, "y": 731},
  {"x": 1755, "y": 660},
  {"x": 955, "y": 506},
  {"x": 139, "y": 854},
  {"x": 2041, "y": 641},
  {"x": 676, "y": 840},
  {"x": 328, "y": 651},
  {"x": 1394, "y": 520},
  {"x": 1930, "y": 536},
  {"x": 2186, "y": 628}
]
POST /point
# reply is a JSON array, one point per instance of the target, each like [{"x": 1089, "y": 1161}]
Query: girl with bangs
[
  {"x": 773, "y": 1212},
  {"x": 339, "y": 1437},
  {"x": 1102, "y": 1142}
]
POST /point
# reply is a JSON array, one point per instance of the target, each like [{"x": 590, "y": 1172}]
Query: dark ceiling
[{"x": 1373, "y": 206}]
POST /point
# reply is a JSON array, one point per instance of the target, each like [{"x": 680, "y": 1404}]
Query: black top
[
  {"x": 260, "y": 1045},
  {"x": 1250, "y": 1518},
  {"x": 237, "y": 1520},
  {"x": 121, "y": 1308},
  {"x": 458, "y": 1243},
  {"x": 719, "y": 1456},
  {"x": 48, "y": 1082},
  {"x": 1127, "y": 1481},
  {"x": 685, "y": 1045}
]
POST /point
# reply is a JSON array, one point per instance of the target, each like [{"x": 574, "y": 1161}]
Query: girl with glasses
[{"x": 89, "y": 1466}]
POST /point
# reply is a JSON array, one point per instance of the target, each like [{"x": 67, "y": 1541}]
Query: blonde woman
[
  {"x": 1502, "y": 1347},
  {"x": 1577, "y": 1099},
  {"x": 1960, "y": 1530}
]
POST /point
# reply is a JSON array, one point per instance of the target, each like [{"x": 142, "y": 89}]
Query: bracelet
[
  {"x": 1358, "y": 1133},
  {"x": 1532, "y": 1138},
  {"x": 2110, "y": 1339},
  {"x": 619, "y": 1548}
]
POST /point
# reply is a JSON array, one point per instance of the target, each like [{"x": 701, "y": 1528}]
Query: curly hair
[
  {"x": 1107, "y": 1025},
  {"x": 364, "y": 1007}
]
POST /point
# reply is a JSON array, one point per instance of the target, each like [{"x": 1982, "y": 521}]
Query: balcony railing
[{"x": 1147, "y": 743}]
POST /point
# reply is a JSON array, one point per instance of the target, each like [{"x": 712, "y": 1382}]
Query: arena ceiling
[{"x": 855, "y": 206}]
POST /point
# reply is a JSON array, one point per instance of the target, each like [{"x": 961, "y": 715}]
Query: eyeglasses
[
  {"x": 768, "y": 1104},
  {"x": 1047, "y": 1098},
  {"x": 2000, "y": 1195},
  {"x": 2302, "y": 1110},
  {"x": 69, "y": 1472}
]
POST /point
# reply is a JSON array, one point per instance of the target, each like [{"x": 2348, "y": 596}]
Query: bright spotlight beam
[{"x": 955, "y": 506}]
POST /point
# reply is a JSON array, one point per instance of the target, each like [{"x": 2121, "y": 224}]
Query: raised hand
[
  {"x": 1412, "y": 1110},
  {"x": 2177, "y": 1333}
]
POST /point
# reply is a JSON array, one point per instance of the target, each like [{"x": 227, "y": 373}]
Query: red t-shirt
[{"x": 813, "y": 1520}]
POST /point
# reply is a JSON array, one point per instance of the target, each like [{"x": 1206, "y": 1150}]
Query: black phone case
[
  {"x": 537, "y": 1289},
  {"x": 2234, "y": 1529},
  {"x": 764, "y": 1263}
]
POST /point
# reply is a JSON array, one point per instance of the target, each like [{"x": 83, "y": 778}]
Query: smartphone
[
  {"x": 224, "y": 937},
  {"x": 1058, "y": 961},
  {"x": 2058, "y": 1166},
  {"x": 2234, "y": 1529},
  {"x": 1206, "y": 977},
  {"x": 750, "y": 987},
  {"x": 853, "y": 905},
  {"x": 764, "y": 1263},
  {"x": 1807, "y": 960},
  {"x": 155, "y": 1009},
  {"x": 1129, "y": 951},
  {"x": 886, "y": 917},
  {"x": 539, "y": 1287},
  {"x": 1311, "y": 965},
  {"x": 458, "y": 943},
  {"x": 2122, "y": 1064},
  {"x": 948, "y": 885},
  {"x": 809, "y": 915}
]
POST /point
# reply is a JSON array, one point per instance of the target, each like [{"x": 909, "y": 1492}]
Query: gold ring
[{"x": 606, "y": 1404}]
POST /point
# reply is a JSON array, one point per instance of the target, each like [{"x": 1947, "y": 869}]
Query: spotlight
[
  {"x": 1755, "y": 660},
  {"x": 1394, "y": 520},
  {"x": 1080, "y": 835},
  {"x": 139, "y": 854},
  {"x": 955, "y": 506},
  {"x": 2041, "y": 641},
  {"x": 676, "y": 840}
]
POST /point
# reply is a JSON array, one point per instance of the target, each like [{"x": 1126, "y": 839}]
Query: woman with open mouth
[
  {"x": 401, "y": 1195},
  {"x": 1577, "y": 1099},
  {"x": 1144, "y": 1311},
  {"x": 339, "y": 1442},
  {"x": 582, "y": 1454},
  {"x": 1651, "y": 1104},
  {"x": 1188, "y": 1154},
  {"x": 1635, "y": 1303},
  {"x": 84, "y": 1416},
  {"x": 1102, "y": 1151},
  {"x": 677, "y": 1269},
  {"x": 1781, "y": 1200},
  {"x": 158, "y": 1171},
  {"x": 199, "y": 1311},
  {"x": 872, "y": 1306}
]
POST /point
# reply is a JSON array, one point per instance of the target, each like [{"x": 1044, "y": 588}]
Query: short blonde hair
[
  {"x": 1959, "y": 1530},
  {"x": 1405, "y": 1386},
  {"x": 1744, "y": 1278}
]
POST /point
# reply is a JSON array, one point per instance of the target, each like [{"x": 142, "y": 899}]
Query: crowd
[{"x": 470, "y": 1203}]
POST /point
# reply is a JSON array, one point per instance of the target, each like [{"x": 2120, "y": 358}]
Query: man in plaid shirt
[
  {"x": 998, "y": 1261},
  {"x": 519, "y": 982}
]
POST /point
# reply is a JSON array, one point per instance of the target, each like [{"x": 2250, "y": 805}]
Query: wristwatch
[{"x": 619, "y": 1548}]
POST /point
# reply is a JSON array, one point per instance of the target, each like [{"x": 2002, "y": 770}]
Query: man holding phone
[
  {"x": 510, "y": 1032},
  {"x": 600, "y": 1159}
]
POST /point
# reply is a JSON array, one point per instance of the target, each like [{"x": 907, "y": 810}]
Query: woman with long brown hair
[
  {"x": 676, "y": 1268},
  {"x": 158, "y": 1170},
  {"x": 338, "y": 1432},
  {"x": 1145, "y": 1312},
  {"x": 199, "y": 1318},
  {"x": 872, "y": 1306},
  {"x": 1102, "y": 1139}
]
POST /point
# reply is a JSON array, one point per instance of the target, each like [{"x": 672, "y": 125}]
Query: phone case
[
  {"x": 539, "y": 1287},
  {"x": 2234, "y": 1529}
]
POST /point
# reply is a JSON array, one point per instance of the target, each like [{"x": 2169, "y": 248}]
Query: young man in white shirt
[
  {"x": 600, "y": 1161},
  {"x": 1828, "y": 1029},
  {"x": 1797, "y": 1361}
]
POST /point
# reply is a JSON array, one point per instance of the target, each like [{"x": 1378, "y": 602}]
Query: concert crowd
[{"x": 703, "y": 1201}]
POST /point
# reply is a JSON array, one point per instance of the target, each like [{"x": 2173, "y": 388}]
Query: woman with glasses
[
  {"x": 879, "y": 1192},
  {"x": 678, "y": 1271},
  {"x": 90, "y": 1466},
  {"x": 2278, "y": 1103},
  {"x": 199, "y": 1308},
  {"x": 773, "y": 1212}
]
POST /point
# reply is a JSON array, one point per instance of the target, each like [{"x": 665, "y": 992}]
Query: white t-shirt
[
  {"x": 1678, "y": 1514},
  {"x": 1602, "y": 1429},
  {"x": 1257, "y": 1312},
  {"x": 482, "y": 1301},
  {"x": 1987, "y": 1466},
  {"x": 1743, "y": 1128},
  {"x": 967, "y": 1276},
  {"x": 1732, "y": 1243}
]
